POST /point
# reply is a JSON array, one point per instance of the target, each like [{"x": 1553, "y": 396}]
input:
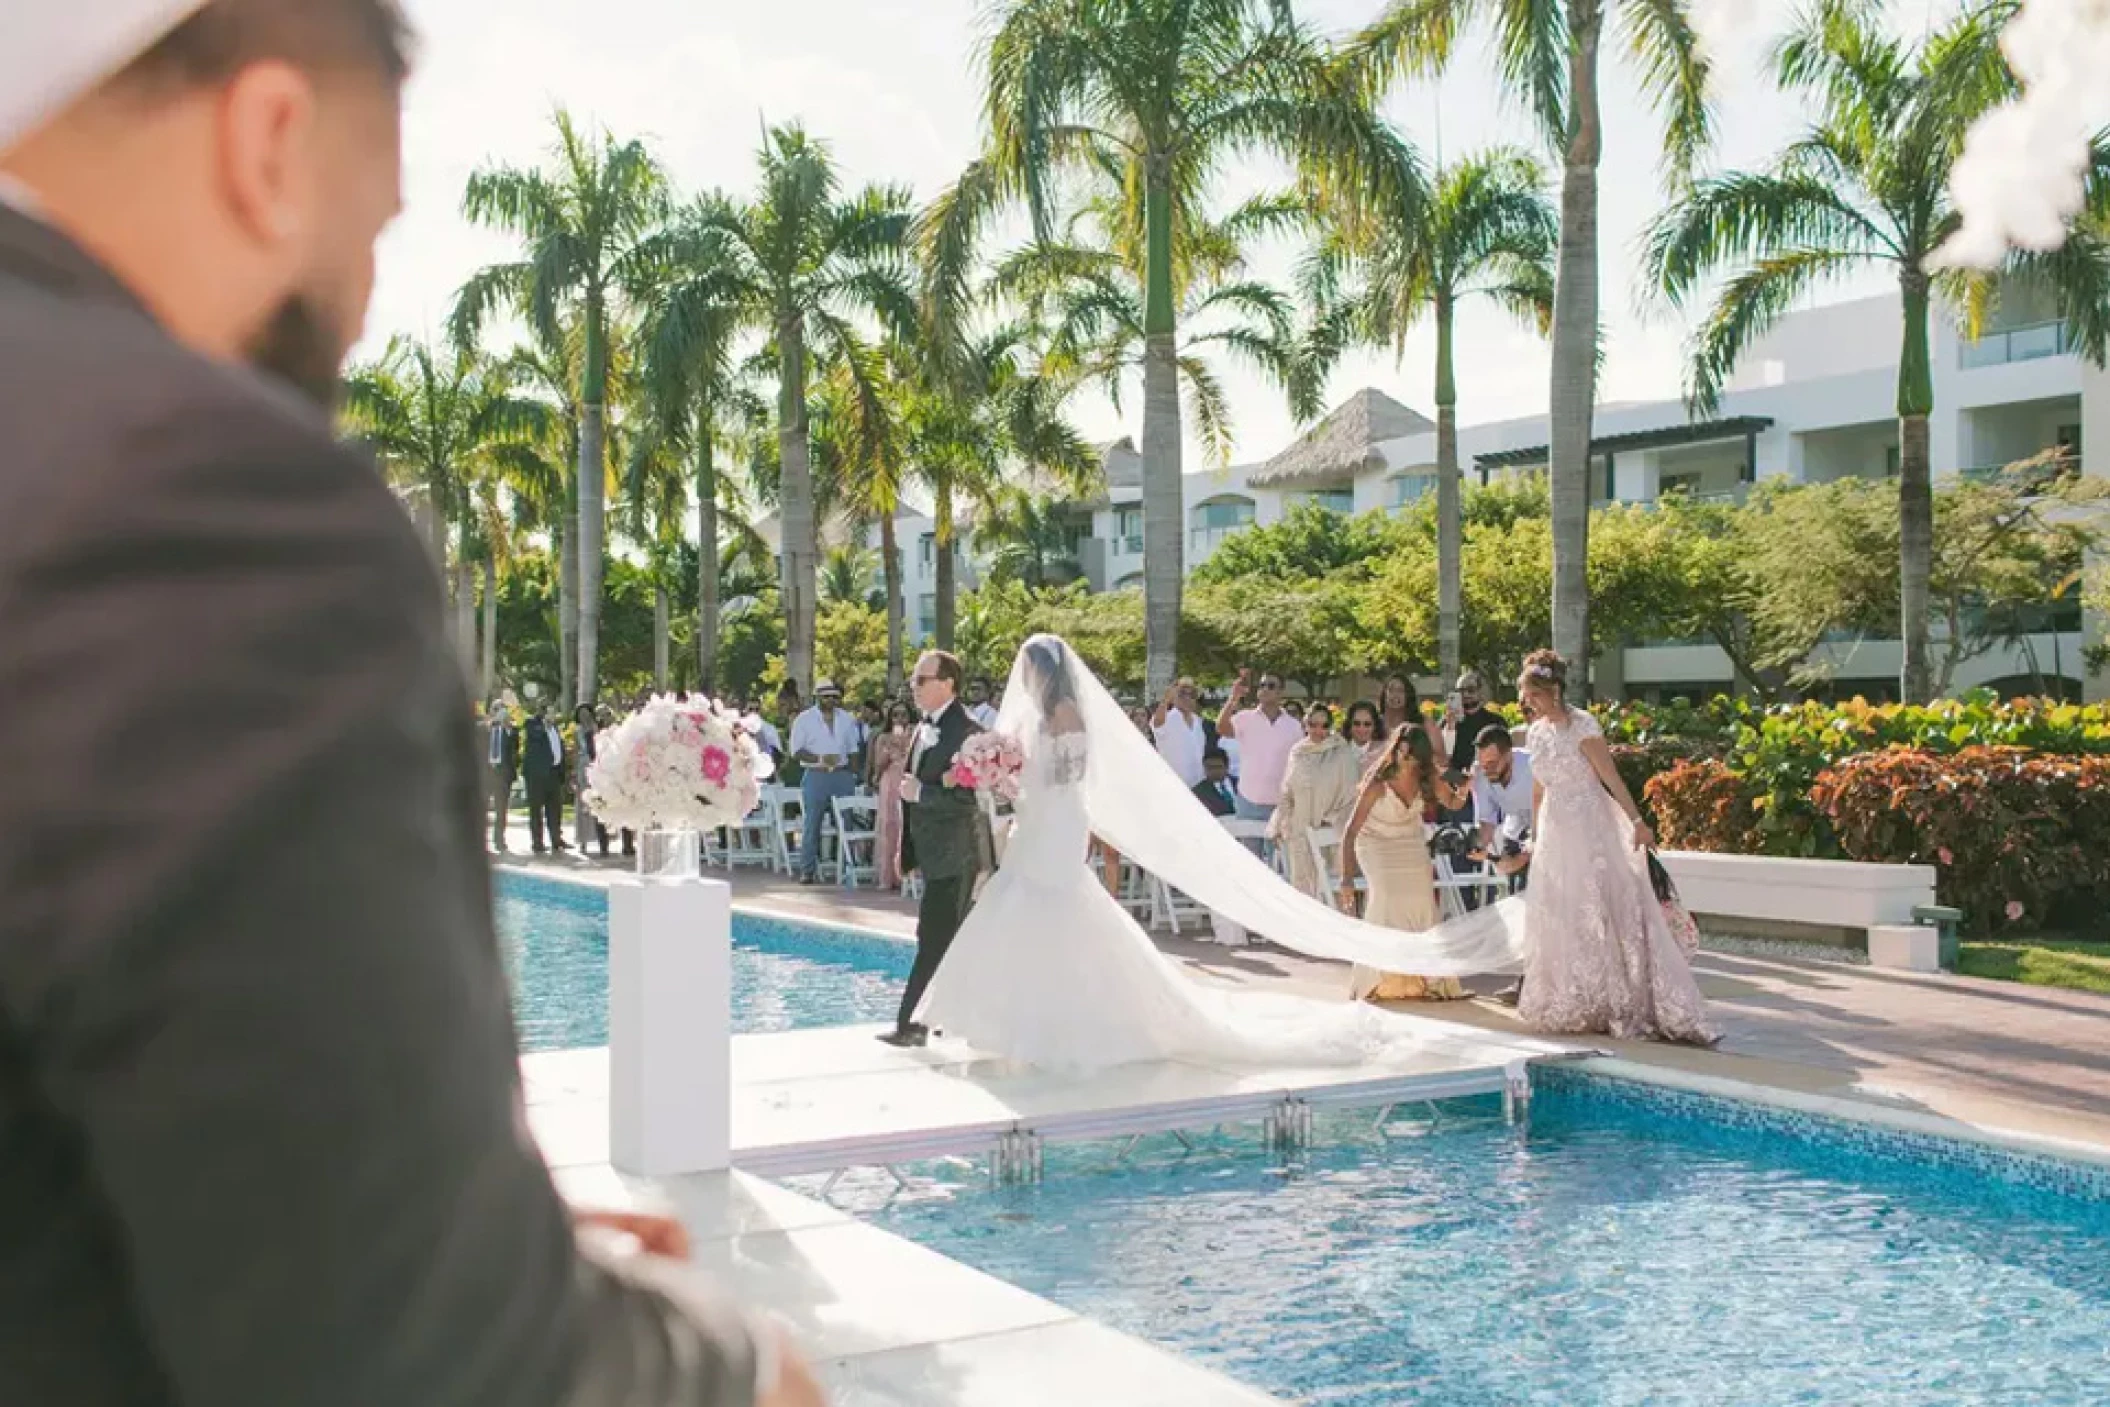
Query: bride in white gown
[{"x": 1051, "y": 971}]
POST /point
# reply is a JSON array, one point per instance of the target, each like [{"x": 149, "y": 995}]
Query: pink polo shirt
[{"x": 1263, "y": 754}]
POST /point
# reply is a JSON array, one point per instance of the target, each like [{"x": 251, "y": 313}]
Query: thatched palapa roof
[{"x": 1344, "y": 444}]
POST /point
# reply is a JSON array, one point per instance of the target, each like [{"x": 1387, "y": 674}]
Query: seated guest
[{"x": 1214, "y": 790}]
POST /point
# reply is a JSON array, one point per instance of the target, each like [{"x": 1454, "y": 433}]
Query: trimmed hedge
[
  {"x": 2020, "y": 838},
  {"x": 1703, "y": 805}
]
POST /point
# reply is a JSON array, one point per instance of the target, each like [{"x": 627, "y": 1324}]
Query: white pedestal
[
  {"x": 670, "y": 1026},
  {"x": 1906, "y": 947}
]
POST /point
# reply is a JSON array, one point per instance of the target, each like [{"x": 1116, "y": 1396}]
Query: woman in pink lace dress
[
  {"x": 1603, "y": 956},
  {"x": 890, "y": 752}
]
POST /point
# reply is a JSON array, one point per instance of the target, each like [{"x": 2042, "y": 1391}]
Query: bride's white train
[{"x": 1049, "y": 970}]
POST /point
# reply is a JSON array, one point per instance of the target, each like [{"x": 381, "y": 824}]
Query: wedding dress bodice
[
  {"x": 1566, "y": 777},
  {"x": 1054, "y": 830}
]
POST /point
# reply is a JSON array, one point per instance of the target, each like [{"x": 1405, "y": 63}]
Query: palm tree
[
  {"x": 438, "y": 421},
  {"x": 1164, "y": 93},
  {"x": 1028, "y": 539},
  {"x": 1485, "y": 229},
  {"x": 802, "y": 264},
  {"x": 1867, "y": 183},
  {"x": 583, "y": 221},
  {"x": 1547, "y": 53},
  {"x": 846, "y": 576}
]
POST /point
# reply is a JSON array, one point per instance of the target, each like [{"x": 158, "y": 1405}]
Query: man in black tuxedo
[
  {"x": 943, "y": 839},
  {"x": 1214, "y": 789},
  {"x": 503, "y": 758},
  {"x": 542, "y": 753},
  {"x": 260, "y": 1091}
]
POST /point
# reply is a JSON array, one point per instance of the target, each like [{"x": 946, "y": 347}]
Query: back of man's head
[{"x": 236, "y": 174}]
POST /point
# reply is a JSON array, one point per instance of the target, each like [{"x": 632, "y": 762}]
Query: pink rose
[
  {"x": 2014, "y": 910},
  {"x": 1946, "y": 857},
  {"x": 717, "y": 765}
]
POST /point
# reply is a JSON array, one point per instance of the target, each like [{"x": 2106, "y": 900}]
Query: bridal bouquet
[
  {"x": 989, "y": 763},
  {"x": 675, "y": 765}
]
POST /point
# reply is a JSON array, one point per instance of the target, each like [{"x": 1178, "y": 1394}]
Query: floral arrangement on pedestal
[
  {"x": 677, "y": 765},
  {"x": 989, "y": 763}
]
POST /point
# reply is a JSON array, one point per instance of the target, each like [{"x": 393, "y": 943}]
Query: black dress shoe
[{"x": 910, "y": 1039}]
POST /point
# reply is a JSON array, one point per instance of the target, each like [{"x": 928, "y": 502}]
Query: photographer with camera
[{"x": 1502, "y": 803}]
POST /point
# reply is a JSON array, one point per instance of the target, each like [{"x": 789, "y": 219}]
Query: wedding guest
[
  {"x": 1319, "y": 789},
  {"x": 1215, "y": 790},
  {"x": 1264, "y": 736},
  {"x": 979, "y": 706},
  {"x": 1503, "y": 798},
  {"x": 1386, "y": 842},
  {"x": 264, "y": 1141},
  {"x": 1365, "y": 733},
  {"x": 1469, "y": 718},
  {"x": 890, "y": 752},
  {"x": 1396, "y": 703},
  {"x": 1180, "y": 732},
  {"x": 1295, "y": 709},
  {"x": 586, "y": 725},
  {"x": 503, "y": 760},
  {"x": 823, "y": 742},
  {"x": 542, "y": 755}
]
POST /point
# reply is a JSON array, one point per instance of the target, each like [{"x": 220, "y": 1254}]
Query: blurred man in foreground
[{"x": 259, "y": 1095}]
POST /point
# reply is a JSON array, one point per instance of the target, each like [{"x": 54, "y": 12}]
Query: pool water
[
  {"x": 1619, "y": 1253},
  {"x": 786, "y": 975}
]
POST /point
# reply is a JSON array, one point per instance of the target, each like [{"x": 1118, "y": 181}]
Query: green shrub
[
  {"x": 1641, "y": 763},
  {"x": 2018, "y": 837}
]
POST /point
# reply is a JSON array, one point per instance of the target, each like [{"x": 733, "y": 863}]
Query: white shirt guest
[
  {"x": 1501, "y": 791},
  {"x": 832, "y": 733},
  {"x": 1180, "y": 734}
]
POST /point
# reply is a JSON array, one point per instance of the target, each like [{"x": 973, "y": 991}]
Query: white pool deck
[{"x": 889, "y": 1322}]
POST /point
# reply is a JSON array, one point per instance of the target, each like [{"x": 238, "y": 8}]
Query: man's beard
[{"x": 298, "y": 347}]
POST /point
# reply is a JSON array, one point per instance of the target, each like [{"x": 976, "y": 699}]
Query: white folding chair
[
  {"x": 1455, "y": 881},
  {"x": 785, "y": 810},
  {"x": 857, "y": 839},
  {"x": 1325, "y": 845},
  {"x": 753, "y": 840}
]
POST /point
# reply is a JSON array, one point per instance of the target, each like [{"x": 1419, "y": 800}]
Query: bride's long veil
[{"x": 1138, "y": 805}]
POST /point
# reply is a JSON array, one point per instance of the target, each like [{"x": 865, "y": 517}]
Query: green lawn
[{"x": 2040, "y": 962}]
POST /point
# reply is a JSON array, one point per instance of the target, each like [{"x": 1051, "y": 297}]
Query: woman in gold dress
[{"x": 1387, "y": 843}]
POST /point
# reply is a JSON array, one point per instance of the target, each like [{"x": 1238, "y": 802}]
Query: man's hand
[
  {"x": 655, "y": 1235},
  {"x": 911, "y": 789}
]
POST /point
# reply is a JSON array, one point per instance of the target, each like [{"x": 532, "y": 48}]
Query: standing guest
[
  {"x": 1295, "y": 709},
  {"x": 1469, "y": 719},
  {"x": 1215, "y": 790},
  {"x": 1180, "y": 732},
  {"x": 1386, "y": 841},
  {"x": 1319, "y": 789},
  {"x": 1603, "y": 957},
  {"x": 1365, "y": 733},
  {"x": 823, "y": 742},
  {"x": 1397, "y": 704},
  {"x": 259, "y": 1078},
  {"x": 979, "y": 703},
  {"x": 1264, "y": 736},
  {"x": 889, "y": 760},
  {"x": 503, "y": 759},
  {"x": 542, "y": 752},
  {"x": 585, "y": 732}
]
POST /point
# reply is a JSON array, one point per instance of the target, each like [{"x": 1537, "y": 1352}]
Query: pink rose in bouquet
[{"x": 990, "y": 763}]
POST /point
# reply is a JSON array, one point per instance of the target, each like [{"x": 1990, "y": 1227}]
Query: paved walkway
[{"x": 1995, "y": 1054}]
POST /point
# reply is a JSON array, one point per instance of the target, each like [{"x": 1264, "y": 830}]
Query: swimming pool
[
  {"x": 1634, "y": 1247},
  {"x": 786, "y": 975}
]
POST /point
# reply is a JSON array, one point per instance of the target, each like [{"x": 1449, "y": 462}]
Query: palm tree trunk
[
  {"x": 890, "y": 573},
  {"x": 1915, "y": 491},
  {"x": 948, "y": 586},
  {"x": 706, "y": 556},
  {"x": 801, "y": 533},
  {"x": 1574, "y": 390},
  {"x": 489, "y": 672},
  {"x": 1164, "y": 503},
  {"x": 1450, "y": 528},
  {"x": 662, "y": 636},
  {"x": 567, "y": 607},
  {"x": 593, "y": 497},
  {"x": 434, "y": 521},
  {"x": 465, "y": 614}
]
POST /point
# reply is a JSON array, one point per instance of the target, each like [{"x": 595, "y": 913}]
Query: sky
[{"x": 892, "y": 86}]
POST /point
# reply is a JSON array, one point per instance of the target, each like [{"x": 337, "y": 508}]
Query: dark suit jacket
[
  {"x": 1219, "y": 804},
  {"x": 539, "y": 758},
  {"x": 508, "y": 749},
  {"x": 261, "y": 1138},
  {"x": 944, "y": 828}
]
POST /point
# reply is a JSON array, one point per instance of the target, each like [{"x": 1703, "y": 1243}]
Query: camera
[{"x": 1452, "y": 841}]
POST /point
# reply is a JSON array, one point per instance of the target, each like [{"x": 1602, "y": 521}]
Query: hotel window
[
  {"x": 1340, "y": 501},
  {"x": 1218, "y": 519},
  {"x": 1409, "y": 489},
  {"x": 1128, "y": 532}
]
